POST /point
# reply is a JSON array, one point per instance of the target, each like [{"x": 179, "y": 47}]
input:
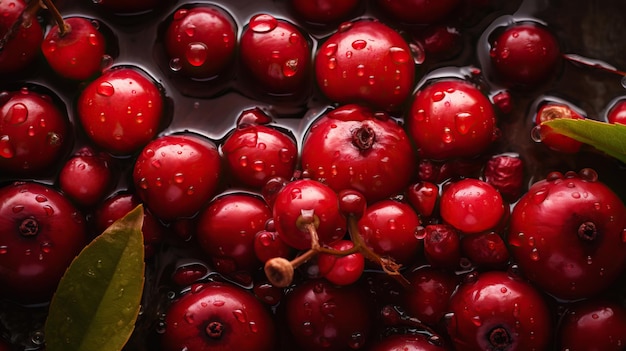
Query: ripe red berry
[
  {"x": 268, "y": 245},
  {"x": 544, "y": 134},
  {"x": 218, "y": 316},
  {"x": 22, "y": 46},
  {"x": 567, "y": 235},
  {"x": 471, "y": 206},
  {"x": 40, "y": 234},
  {"x": 76, "y": 50},
  {"x": 201, "y": 41},
  {"x": 353, "y": 148},
  {"x": 525, "y": 54},
  {"x": 34, "y": 132},
  {"x": 442, "y": 246},
  {"x": 122, "y": 110},
  {"x": 495, "y": 311},
  {"x": 594, "y": 324},
  {"x": 365, "y": 62},
  {"x": 175, "y": 175},
  {"x": 230, "y": 243},
  {"x": 275, "y": 57},
  {"x": 506, "y": 174},
  {"x": 344, "y": 270},
  {"x": 429, "y": 294},
  {"x": 617, "y": 112},
  {"x": 485, "y": 250},
  {"x": 86, "y": 177},
  {"x": 423, "y": 197},
  {"x": 451, "y": 119}
]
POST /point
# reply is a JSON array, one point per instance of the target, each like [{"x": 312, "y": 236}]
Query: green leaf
[
  {"x": 97, "y": 302},
  {"x": 606, "y": 137}
]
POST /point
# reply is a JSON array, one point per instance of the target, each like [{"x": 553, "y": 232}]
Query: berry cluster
[{"x": 322, "y": 175}]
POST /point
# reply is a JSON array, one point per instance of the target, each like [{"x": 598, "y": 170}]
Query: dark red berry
[
  {"x": 593, "y": 325},
  {"x": 505, "y": 173},
  {"x": 423, "y": 196},
  {"x": 427, "y": 298},
  {"x": 485, "y": 250},
  {"x": 343, "y": 270},
  {"x": 544, "y": 134},
  {"x": 20, "y": 36},
  {"x": 442, "y": 246},
  {"x": 322, "y": 12},
  {"x": 268, "y": 245},
  {"x": 617, "y": 112},
  {"x": 86, "y": 177}
]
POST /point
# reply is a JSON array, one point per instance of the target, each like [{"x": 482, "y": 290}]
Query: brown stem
[
  {"x": 25, "y": 17},
  {"x": 64, "y": 28}
]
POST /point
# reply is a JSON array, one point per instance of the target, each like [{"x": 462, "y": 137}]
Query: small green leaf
[
  {"x": 97, "y": 302},
  {"x": 606, "y": 137}
]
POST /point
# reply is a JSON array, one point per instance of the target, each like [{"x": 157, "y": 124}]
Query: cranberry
[
  {"x": 86, "y": 177},
  {"x": 593, "y": 325},
  {"x": 506, "y": 174},
  {"x": 343, "y": 270},
  {"x": 427, "y": 299},
  {"x": 544, "y": 134},
  {"x": 486, "y": 250},
  {"x": 442, "y": 246},
  {"x": 423, "y": 197},
  {"x": 20, "y": 36}
]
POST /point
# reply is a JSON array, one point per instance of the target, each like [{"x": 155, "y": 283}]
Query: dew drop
[
  {"x": 371, "y": 80},
  {"x": 539, "y": 196},
  {"x": 438, "y": 96},
  {"x": 359, "y": 44},
  {"x": 399, "y": 55},
  {"x": 17, "y": 114},
  {"x": 179, "y": 178},
  {"x": 190, "y": 31},
  {"x": 356, "y": 340},
  {"x": 196, "y": 54},
  {"x": 463, "y": 122},
  {"x": 93, "y": 39},
  {"x": 360, "y": 70},
  {"x": 624, "y": 235},
  {"x": 240, "y": 316},
  {"x": 180, "y": 14},
  {"x": 329, "y": 50},
  {"x": 243, "y": 161},
  {"x": 258, "y": 165},
  {"x": 332, "y": 63},
  {"x": 143, "y": 183},
  {"x": 536, "y": 134},
  {"x": 105, "y": 89},
  {"x": 4, "y": 249},
  {"x": 534, "y": 254},
  {"x": 6, "y": 147},
  {"x": 477, "y": 321},
  {"x": 447, "y": 137},
  {"x": 419, "y": 54},
  {"x": 175, "y": 64},
  {"x": 307, "y": 328},
  {"x": 263, "y": 23},
  {"x": 284, "y": 155},
  {"x": 294, "y": 38},
  {"x": 296, "y": 194},
  {"x": 290, "y": 68}
]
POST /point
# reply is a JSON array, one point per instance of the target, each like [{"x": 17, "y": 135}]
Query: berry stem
[
  {"x": 64, "y": 28},
  {"x": 27, "y": 15}
]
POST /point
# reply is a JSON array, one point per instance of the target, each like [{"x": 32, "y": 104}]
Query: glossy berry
[
  {"x": 275, "y": 56},
  {"x": 268, "y": 245},
  {"x": 254, "y": 153},
  {"x": 308, "y": 201},
  {"x": 427, "y": 298},
  {"x": 574, "y": 246},
  {"x": 188, "y": 273},
  {"x": 617, "y": 112},
  {"x": 86, "y": 177},
  {"x": 122, "y": 110},
  {"x": 40, "y": 234},
  {"x": 525, "y": 54},
  {"x": 230, "y": 243},
  {"x": 545, "y": 134},
  {"x": 389, "y": 228},
  {"x": 441, "y": 41},
  {"x": 175, "y": 175},
  {"x": 218, "y": 316},
  {"x": 343, "y": 270},
  {"x": 74, "y": 50},
  {"x": 201, "y": 41},
  {"x": 451, "y": 119},
  {"x": 352, "y": 203},
  {"x": 485, "y": 250},
  {"x": 593, "y": 325},
  {"x": 325, "y": 11},
  {"x": 34, "y": 132},
  {"x": 418, "y": 11},
  {"x": 423, "y": 196},
  {"x": 321, "y": 315},
  {"x": 365, "y": 62},
  {"x": 471, "y": 205},
  {"x": 442, "y": 245},
  {"x": 116, "y": 207},
  {"x": 352, "y": 147},
  {"x": 495, "y": 311},
  {"x": 505, "y": 173},
  {"x": 22, "y": 47}
]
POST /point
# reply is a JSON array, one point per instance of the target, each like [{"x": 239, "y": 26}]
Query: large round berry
[
  {"x": 594, "y": 324},
  {"x": 121, "y": 110},
  {"x": 228, "y": 242},
  {"x": 495, "y": 311},
  {"x": 567, "y": 235},
  {"x": 450, "y": 119},
  {"x": 525, "y": 54},
  {"x": 40, "y": 234},
  {"x": 22, "y": 47},
  {"x": 322, "y": 316},
  {"x": 352, "y": 147},
  {"x": 303, "y": 202},
  {"x": 76, "y": 50},
  {"x": 275, "y": 56},
  {"x": 365, "y": 62},
  {"x": 218, "y": 316},
  {"x": 33, "y": 132},
  {"x": 201, "y": 41},
  {"x": 176, "y": 174}
]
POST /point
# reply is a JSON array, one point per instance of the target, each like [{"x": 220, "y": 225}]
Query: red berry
[
  {"x": 321, "y": 315},
  {"x": 617, "y": 112},
  {"x": 471, "y": 206},
  {"x": 121, "y": 110},
  {"x": 506, "y": 174},
  {"x": 365, "y": 62},
  {"x": 353, "y": 148},
  {"x": 76, "y": 51},
  {"x": 218, "y": 316},
  {"x": 485, "y": 250},
  {"x": 495, "y": 311},
  {"x": 34, "y": 132},
  {"x": 22, "y": 47},
  {"x": 275, "y": 56},
  {"x": 255, "y": 153},
  {"x": 389, "y": 228},
  {"x": 441, "y": 41},
  {"x": 593, "y": 325},
  {"x": 40, "y": 234},
  {"x": 423, "y": 197},
  {"x": 324, "y": 11},
  {"x": 418, "y": 11},
  {"x": 268, "y": 245},
  {"x": 544, "y": 134},
  {"x": 307, "y": 201},
  {"x": 227, "y": 240},
  {"x": 343, "y": 270},
  {"x": 442, "y": 246},
  {"x": 427, "y": 299},
  {"x": 525, "y": 54},
  {"x": 451, "y": 119},
  {"x": 201, "y": 41},
  {"x": 567, "y": 235},
  {"x": 86, "y": 177},
  {"x": 176, "y": 175}
]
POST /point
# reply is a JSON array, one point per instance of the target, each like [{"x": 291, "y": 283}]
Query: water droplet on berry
[
  {"x": 463, "y": 122},
  {"x": 328, "y": 309},
  {"x": 447, "y": 137},
  {"x": 419, "y": 54},
  {"x": 477, "y": 321},
  {"x": 143, "y": 183},
  {"x": 263, "y": 23},
  {"x": 329, "y": 50},
  {"x": 534, "y": 254},
  {"x": 4, "y": 249},
  {"x": 332, "y": 63},
  {"x": 105, "y": 89},
  {"x": 6, "y": 147},
  {"x": 359, "y": 44},
  {"x": 307, "y": 328},
  {"x": 438, "y": 96},
  {"x": 294, "y": 38},
  {"x": 179, "y": 178},
  {"x": 196, "y": 54},
  {"x": 258, "y": 166},
  {"x": 356, "y": 340},
  {"x": 93, "y": 39},
  {"x": 175, "y": 64},
  {"x": 190, "y": 31},
  {"x": 180, "y": 14},
  {"x": 539, "y": 196},
  {"x": 290, "y": 68},
  {"x": 17, "y": 114},
  {"x": 588, "y": 174},
  {"x": 624, "y": 235},
  {"x": 536, "y": 134},
  {"x": 106, "y": 62},
  {"x": 399, "y": 55},
  {"x": 360, "y": 70}
]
